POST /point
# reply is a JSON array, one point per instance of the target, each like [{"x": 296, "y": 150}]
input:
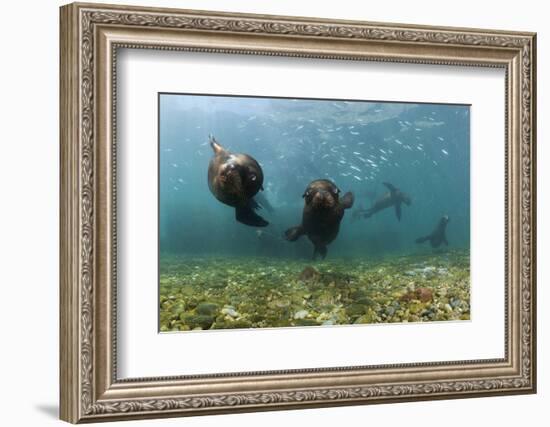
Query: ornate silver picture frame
[{"x": 91, "y": 36}]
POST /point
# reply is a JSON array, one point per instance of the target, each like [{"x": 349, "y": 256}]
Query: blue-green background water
[{"x": 423, "y": 149}]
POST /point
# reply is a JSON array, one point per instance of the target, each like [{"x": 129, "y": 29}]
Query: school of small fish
[{"x": 329, "y": 142}]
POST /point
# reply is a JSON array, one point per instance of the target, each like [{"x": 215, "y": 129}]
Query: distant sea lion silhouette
[
  {"x": 437, "y": 237},
  {"x": 234, "y": 179},
  {"x": 392, "y": 198},
  {"x": 322, "y": 214}
]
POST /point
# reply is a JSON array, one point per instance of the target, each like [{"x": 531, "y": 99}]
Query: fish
[
  {"x": 441, "y": 138},
  {"x": 444, "y": 152},
  {"x": 354, "y": 133}
]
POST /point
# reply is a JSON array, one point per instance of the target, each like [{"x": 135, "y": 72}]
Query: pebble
[
  {"x": 302, "y": 314},
  {"x": 230, "y": 311},
  {"x": 274, "y": 295}
]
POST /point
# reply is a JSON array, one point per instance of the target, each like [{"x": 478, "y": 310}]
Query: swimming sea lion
[
  {"x": 323, "y": 211},
  {"x": 234, "y": 179},
  {"x": 438, "y": 235},
  {"x": 392, "y": 198}
]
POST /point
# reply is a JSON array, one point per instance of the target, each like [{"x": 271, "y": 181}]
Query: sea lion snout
[
  {"x": 406, "y": 199},
  {"x": 229, "y": 174},
  {"x": 321, "y": 194},
  {"x": 322, "y": 199}
]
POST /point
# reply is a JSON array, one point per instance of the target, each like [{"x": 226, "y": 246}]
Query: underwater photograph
[{"x": 283, "y": 212}]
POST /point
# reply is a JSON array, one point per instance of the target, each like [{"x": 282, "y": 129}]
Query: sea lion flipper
[
  {"x": 398, "y": 211},
  {"x": 357, "y": 214},
  {"x": 215, "y": 144},
  {"x": 247, "y": 216},
  {"x": 390, "y": 187},
  {"x": 321, "y": 250},
  {"x": 263, "y": 202},
  {"x": 294, "y": 233},
  {"x": 347, "y": 200}
]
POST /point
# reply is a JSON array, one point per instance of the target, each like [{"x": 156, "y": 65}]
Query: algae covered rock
[
  {"x": 305, "y": 322},
  {"x": 199, "y": 320},
  {"x": 207, "y": 309},
  {"x": 309, "y": 274},
  {"x": 355, "y": 310}
]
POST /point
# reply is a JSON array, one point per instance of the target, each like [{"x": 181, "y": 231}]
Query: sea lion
[
  {"x": 323, "y": 211},
  {"x": 437, "y": 237},
  {"x": 394, "y": 197},
  {"x": 234, "y": 179}
]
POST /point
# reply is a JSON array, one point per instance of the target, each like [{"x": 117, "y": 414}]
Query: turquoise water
[
  {"x": 422, "y": 149},
  {"x": 216, "y": 273}
]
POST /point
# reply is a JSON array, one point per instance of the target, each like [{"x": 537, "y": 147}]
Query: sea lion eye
[
  {"x": 253, "y": 177},
  {"x": 307, "y": 193}
]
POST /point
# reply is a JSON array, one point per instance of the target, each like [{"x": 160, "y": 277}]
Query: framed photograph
[{"x": 267, "y": 212}]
